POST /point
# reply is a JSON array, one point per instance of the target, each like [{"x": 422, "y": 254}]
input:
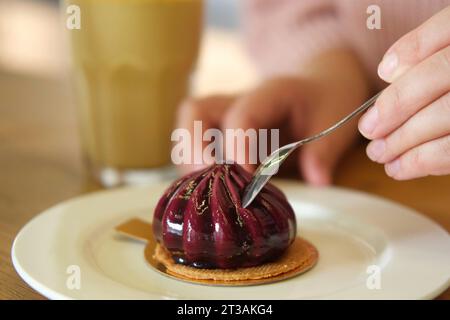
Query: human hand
[
  {"x": 409, "y": 124},
  {"x": 331, "y": 87}
]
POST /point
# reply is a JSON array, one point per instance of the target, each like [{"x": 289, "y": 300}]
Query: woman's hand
[
  {"x": 330, "y": 87},
  {"x": 410, "y": 122}
]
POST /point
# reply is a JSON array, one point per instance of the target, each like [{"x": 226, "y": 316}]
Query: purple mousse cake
[{"x": 201, "y": 222}]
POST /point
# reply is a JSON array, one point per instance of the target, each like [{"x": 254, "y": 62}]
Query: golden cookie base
[{"x": 300, "y": 257}]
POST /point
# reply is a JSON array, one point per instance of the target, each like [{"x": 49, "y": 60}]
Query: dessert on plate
[{"x": 204, "y": 233}]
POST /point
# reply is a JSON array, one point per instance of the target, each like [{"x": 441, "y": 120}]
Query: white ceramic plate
[{"x": 351, "y": 230}]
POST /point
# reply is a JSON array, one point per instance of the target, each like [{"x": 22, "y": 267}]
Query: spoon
[{"x": 270, "y": 165}]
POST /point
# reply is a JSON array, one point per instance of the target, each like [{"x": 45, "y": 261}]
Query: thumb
[
  {"x": 316, "y": 163},
  {"x": 317, "y": 160}
]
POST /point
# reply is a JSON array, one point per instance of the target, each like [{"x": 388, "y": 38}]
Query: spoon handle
[
  {"x": 366, "y": 105},
  {"x": 267, "y": 168}
]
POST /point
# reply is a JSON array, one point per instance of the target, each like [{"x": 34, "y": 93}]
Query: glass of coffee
[{"x": 132, "y": 62}]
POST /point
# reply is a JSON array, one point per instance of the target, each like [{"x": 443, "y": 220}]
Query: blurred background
[
  {"x": 32, "y": 41},
  {"x": 40, "y": 154},
  {"x": 37, "y": 99}
]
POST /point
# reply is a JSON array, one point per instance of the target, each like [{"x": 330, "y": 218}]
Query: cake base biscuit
[{"x": 298, "y": 258}]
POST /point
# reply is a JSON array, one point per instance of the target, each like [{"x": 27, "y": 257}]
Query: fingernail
[
  {"x": 387, "y": 66},
  {"x": 368, "y": 122},
  {"x": 392, "y": 168},
  {"x": 375, "y": 149}
]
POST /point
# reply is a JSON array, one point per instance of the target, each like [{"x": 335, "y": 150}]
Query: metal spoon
[{"x": 270, "y": 165}]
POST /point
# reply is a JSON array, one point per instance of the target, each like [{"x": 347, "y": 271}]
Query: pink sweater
[{"x": 283, "y": 34}]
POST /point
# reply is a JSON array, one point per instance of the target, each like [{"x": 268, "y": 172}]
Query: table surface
[{"x": 40, "y": 165}]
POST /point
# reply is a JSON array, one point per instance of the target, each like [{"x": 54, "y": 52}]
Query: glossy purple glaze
[{"x": 200, "y": 220}]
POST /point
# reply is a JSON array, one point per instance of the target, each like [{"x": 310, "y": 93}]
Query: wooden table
[{"x": 40, "y": 165}]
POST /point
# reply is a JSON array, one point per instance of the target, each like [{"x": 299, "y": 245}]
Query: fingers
[
  {"x": 430, "y": 158},
  {"x": 415, "y": 46},
  {"x": 410, "y": 122},
  {"x": 266, "y": 107},
  {"x": 318, "y": 160},
  {"x": 315, "y": 167},
  {"x": 428, "y": 124},
  {"x": 423, "y": 84},
  {"x": 209, "y": 111}
]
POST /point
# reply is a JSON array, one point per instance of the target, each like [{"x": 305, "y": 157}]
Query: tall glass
[{"x": 132, "y": 62}]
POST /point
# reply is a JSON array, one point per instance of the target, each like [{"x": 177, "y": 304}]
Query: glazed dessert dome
[{"x": 202, "y": 223}]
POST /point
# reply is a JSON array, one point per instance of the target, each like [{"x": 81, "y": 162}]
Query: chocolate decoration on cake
[{"x": 201, "y": 222}]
